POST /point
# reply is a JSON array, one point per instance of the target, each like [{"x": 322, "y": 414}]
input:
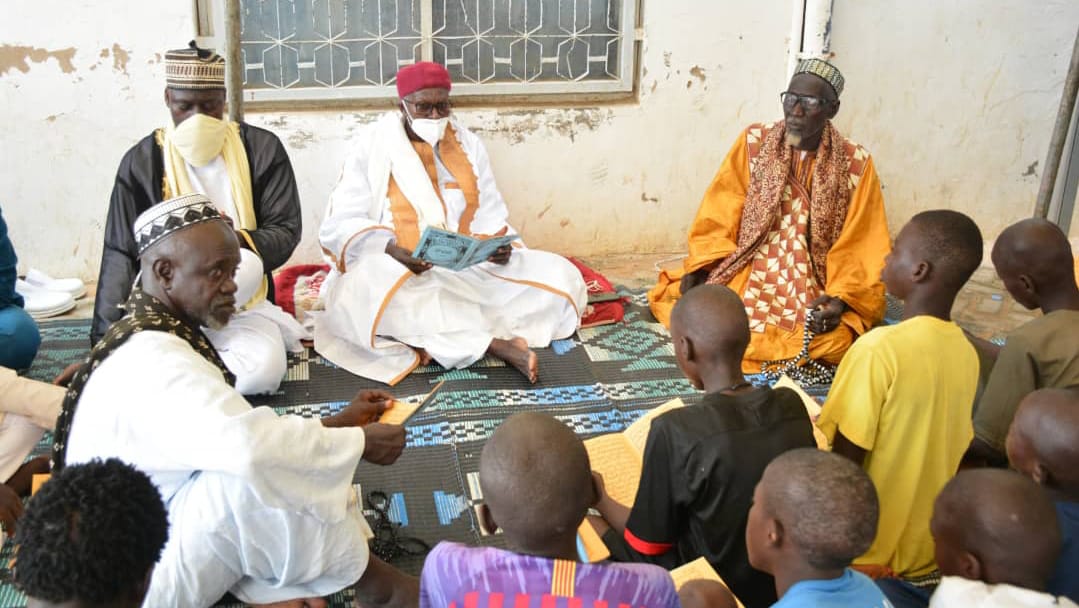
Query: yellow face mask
[{"x": 199, "y": 139}]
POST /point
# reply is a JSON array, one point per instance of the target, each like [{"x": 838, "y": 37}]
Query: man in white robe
[
  {"x": 259, "y": 505},
  {"x": 388, "y": 312}
]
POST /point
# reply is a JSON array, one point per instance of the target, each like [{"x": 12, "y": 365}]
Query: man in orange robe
[{"x": 793, "y": 221}]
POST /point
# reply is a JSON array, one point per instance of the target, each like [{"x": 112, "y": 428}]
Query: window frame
[{"x": 209, "y": 21}]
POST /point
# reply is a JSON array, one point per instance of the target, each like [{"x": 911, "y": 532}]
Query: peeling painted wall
[{"x": 954, "y": 99}]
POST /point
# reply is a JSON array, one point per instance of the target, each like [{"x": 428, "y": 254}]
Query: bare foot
[
  {"x": 307, "y": 602},
  {"x": 425, "y": 357},
  {"x": 516, "y": 353}
]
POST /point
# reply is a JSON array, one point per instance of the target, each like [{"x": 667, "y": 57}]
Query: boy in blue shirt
[{"x": 813, "y": 513}]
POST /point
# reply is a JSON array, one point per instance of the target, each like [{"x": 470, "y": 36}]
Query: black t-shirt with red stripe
[{"x": 701, "y": 465}]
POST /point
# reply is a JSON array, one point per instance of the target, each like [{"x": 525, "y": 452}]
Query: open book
[
  {"x": 812, "y": 408},
  {"x": 619, "y": 458},
  {"x": 400, "y": 412},
  {"x": 457, "y": 251},
  {"x": 696, "y": 570}
]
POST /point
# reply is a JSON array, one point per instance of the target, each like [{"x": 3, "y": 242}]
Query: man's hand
[
  {"x": 404, "y": 256},
  {"x": 501, "y": 255},
  {"x": 10, "y": 509},
  {"x": 385, "y": 442},
  {"x": 65, "y": 376},
  {"x": 614, "y": 513},
  {"x": 693, "y": 279},
  {"x": 365, "y": 408},
  {"x": 827, "y": 311}
]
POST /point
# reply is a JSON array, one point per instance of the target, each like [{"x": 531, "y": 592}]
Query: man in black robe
[{"x": 246, "y": 172}]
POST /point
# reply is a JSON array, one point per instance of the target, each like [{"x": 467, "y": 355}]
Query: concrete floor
[{"x": 983, "y": 307}]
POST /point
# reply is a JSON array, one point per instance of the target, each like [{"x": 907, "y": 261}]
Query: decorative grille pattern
[{"x": 312, "y": 49}]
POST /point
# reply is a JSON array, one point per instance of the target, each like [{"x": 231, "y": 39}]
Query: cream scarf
[{"x": 177, "y": 183}]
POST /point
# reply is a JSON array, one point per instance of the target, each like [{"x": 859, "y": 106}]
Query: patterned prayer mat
[{"x": 598, "y": 381}]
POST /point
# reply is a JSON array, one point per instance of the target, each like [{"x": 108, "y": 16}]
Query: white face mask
[
  {"x": 430, "y": 130},
  {"x": 199, "y": 139}
]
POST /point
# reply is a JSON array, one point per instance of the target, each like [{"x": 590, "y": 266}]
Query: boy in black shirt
[{"x": 702, "y": 462}]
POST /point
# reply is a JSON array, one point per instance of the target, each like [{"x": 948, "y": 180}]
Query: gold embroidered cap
[
  {"x": 194, "y": 68},
  {"x": 167, "y": 217},
  {"x": 823, "y": 69}
]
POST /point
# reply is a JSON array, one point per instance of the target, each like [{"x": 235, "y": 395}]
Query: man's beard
[
  {"x": 794, "y": 139},
  {"x": 212, "y": 321}
]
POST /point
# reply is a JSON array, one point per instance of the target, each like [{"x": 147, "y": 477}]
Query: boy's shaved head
[
  {"x": 536, "y": 479},
  {"x": 826, "y": 504},
  {"x": 714, "y": 318},
  {"x": 1034, "y": 260},
  {"x": 1043, "y": 441},
  {"x": 951, "y": 242},
  {"x": 996, "y": 526},
  {"x": 1037, "y": 247}
]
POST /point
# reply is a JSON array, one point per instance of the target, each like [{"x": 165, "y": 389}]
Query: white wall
[{"x": 955, "y": 99}]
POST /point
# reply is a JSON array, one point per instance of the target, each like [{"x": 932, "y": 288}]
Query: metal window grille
[{"x": 351, "y": 49}]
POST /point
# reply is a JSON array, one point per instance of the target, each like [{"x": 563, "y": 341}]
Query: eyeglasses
[
  {"x": 426, "y": 109},
  {"x": 809, "y": 103}
]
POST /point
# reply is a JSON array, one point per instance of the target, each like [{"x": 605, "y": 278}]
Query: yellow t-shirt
[{"x": 904, "y": 393}]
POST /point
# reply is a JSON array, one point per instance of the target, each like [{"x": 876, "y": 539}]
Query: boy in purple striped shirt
[{"x": 537, "y": 486}]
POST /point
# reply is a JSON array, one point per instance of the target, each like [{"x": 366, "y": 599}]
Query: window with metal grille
[{"x": 351, "y": 49}]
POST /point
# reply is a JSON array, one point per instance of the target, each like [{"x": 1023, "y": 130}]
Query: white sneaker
[
  {"x": 43, "y": 303},
  {"x": 74, "y": 287}
]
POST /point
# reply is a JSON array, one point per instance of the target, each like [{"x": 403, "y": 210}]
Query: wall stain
[
  {"x": 20, "y": 57},
  {"x": 698, "y": 73},
  {"x": 1032, "y": 169},
  {"x": 648, "y": 199},
  {"x": 564, "y": 222},
  {"x": 540, "y": 215},
  {"x": 667, "y": 59}
]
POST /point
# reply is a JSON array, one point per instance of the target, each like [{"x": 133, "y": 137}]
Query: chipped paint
[
  {"x": 516, "y": 125},
  {"x": 698, "y": 73},
  {"x": 120, "y": 57},
  {"x": 300, "y": 138},
  {"x": 20, "y": 57}
]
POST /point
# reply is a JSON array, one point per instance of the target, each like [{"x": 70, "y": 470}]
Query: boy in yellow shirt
[{"x": 902, "y": 398}]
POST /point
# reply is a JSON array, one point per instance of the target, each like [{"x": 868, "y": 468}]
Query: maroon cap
[{"x": 421, "y": 75}]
